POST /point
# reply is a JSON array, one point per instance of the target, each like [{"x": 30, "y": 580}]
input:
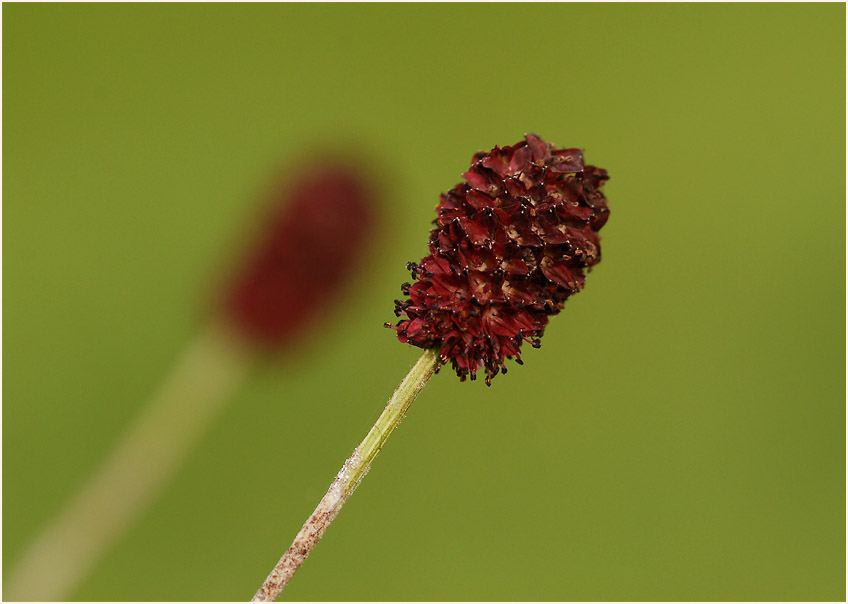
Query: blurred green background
[{"x": 681, "y": 433}]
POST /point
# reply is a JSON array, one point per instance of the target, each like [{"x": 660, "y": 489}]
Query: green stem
[
  {"x": 138, "y": 469},
  {"x": 349, "y": 477}
]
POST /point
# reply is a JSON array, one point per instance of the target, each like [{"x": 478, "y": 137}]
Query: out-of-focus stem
[
  {"x": 349, "y": 477},
  {"x": 134, "y": 474}
]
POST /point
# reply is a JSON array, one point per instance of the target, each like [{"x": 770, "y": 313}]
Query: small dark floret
[{"x": 510, "y": 245}]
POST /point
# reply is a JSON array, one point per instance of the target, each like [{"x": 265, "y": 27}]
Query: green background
[{"x": 681, "y": 433}]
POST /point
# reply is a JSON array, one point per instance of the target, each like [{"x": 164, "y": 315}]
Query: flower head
[
  {"x": 510, "y": 245},
  {"x": 313, "y": 236}
]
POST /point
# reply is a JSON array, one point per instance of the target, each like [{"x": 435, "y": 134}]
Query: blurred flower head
[{"x": 314, "y": 236}]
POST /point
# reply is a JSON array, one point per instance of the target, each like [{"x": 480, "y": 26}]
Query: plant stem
[
  {"x": 349, "y": 477},
  {"x": 136, "y": 471}
]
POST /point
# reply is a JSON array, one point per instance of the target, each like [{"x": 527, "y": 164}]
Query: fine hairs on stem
[{"x": 349, "y": 477}]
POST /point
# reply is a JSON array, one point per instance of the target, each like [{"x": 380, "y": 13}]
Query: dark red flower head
[
  {"x": 313, "y": 236},
  {"x": 510, "y": 245}
]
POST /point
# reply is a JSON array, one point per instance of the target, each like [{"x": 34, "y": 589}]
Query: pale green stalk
[
  {"x": 136, "y": 471},
  {"x": 349, "y": 477}
]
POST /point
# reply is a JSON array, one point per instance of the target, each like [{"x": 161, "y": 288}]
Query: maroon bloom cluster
[
  {"x": 510, "y": 245},
  {"x": 311, "y": 243}
]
